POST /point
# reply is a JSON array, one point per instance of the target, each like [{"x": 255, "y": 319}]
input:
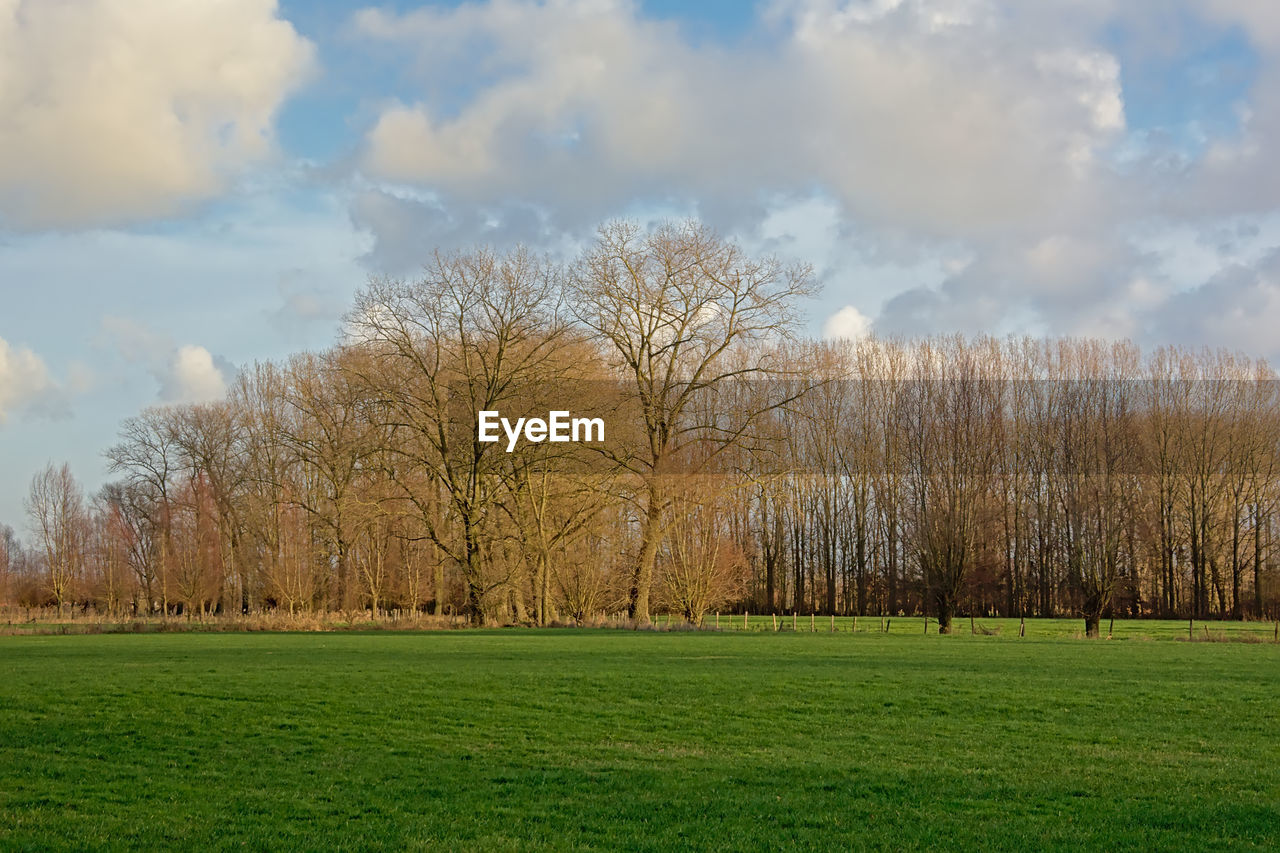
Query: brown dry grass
[{"x": 36, "y": 621}]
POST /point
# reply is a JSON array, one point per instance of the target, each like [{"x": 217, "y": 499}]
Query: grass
[
  {"x": 1062, "y": 628},
  {"x": 608, "y": 739},
  {"x": 19, "y": 621}
]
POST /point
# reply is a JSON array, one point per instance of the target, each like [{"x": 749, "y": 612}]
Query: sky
[{"x": 187, "y": 188}]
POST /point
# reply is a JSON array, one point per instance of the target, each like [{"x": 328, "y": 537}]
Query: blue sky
[{"x": 188, "y": 188}]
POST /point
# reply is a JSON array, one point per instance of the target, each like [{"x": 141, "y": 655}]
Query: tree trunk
[
  {"x": 519, "y": 609},
  {"x": 341, "y": 544},
  {"x": 475, "y": 591},
  {"x": 475, "y": 603},
  {"x": 437, "y": 581},
  {"x": 1236, "y": 568},
  {"x": 799, "y": 555},
  {"x": 892, "y": 545},
  {"x": 544, "y": 591},
  {"x": 642, "y": 580},
  {"x": 1257, "y": 561},
  {"x": 944, "y": 614}
]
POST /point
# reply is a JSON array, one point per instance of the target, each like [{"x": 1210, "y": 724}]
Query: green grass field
[
  {"x": 47, "y": 622},
  {"x": 612, "y": 739},
  {"x": 1062, "y": 628}
]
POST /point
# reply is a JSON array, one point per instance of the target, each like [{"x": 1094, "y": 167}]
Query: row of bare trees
[
  {"x": 1027, "y": 477},
  {"x": 740, "y": 468}
]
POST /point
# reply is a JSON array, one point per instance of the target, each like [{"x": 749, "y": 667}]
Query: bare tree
[
  {"x": 130, "y": 509},
  {"x": 702, "y": 567},
  {"x": 149, "y": 455},
  {"x": 108, "y": 554},
  {"x": 956, "y": 408},
  {"x": 8, "y": 562},
  {"x": 679, "y": 308},
  {"x": 210, "y": 440},
  {"x": 463, "y": 339},
  {"x": 1095, "y": 477},
  {"x": 327, "y": 429},
  {"x": 55, "y": 509}
]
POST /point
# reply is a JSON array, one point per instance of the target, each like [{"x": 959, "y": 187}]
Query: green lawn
[
  {"x": 608, "y": 739},
  {"x": 1062, "y": 628}
]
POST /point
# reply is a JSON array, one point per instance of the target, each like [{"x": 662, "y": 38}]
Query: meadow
[{"x": 554, "y": 739}]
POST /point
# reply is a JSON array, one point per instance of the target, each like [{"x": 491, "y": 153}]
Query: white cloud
[
  {"x": 117, "y": 110},
  {"x": 1261, "y": 20},
  {"x": 194, "y": 377},
  {"x": 1237, "y": 309},
  {"x": 24, "y": 378},
  {"x": 903, "y": 129},
  {"x": 304, "y": 305},
  {"x": 185, "y": 374},
  {"x": 955, "y": 129},
  {"x": 847, "y": 324},
  {"x": 136, "y": 342},
  {"x": 948, "y": 164}
]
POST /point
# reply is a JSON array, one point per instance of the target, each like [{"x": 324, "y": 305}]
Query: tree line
[{"x": 743, "y": 466}]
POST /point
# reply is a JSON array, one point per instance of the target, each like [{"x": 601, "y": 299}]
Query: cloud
[
  {"x": 848, "y": 324},
  {"x": 305, "y": 306},
  {"x": 135, "y": 341},
  {"x": 193, "y": 377},
  {"x": 121, "y": 110},
  {"x": 28, "y": 388},
  {"x": 1261, "y": 20},
  {"x": 25, "y": 383},
  {"x": 407, "y": 227},
  {"x": 910, "y": 130},
  {"x": 970, "y": 165},
  {"x": 185, "y": 373},
  {"x": 1236, "y": 309},
  {"x": 919, "y": 115}
]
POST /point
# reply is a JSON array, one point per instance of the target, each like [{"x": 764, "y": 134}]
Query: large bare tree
[
  {"x": 56, "y": 512},
  {"x": 684, "y": 312},
  {"x": 956, "y": 411},
  {"x": 466, "y": 337}
]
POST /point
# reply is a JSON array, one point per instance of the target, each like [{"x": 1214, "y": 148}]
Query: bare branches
[
  {"x": 683, "y": 314},
  {"x": 741, "y": 467}
]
